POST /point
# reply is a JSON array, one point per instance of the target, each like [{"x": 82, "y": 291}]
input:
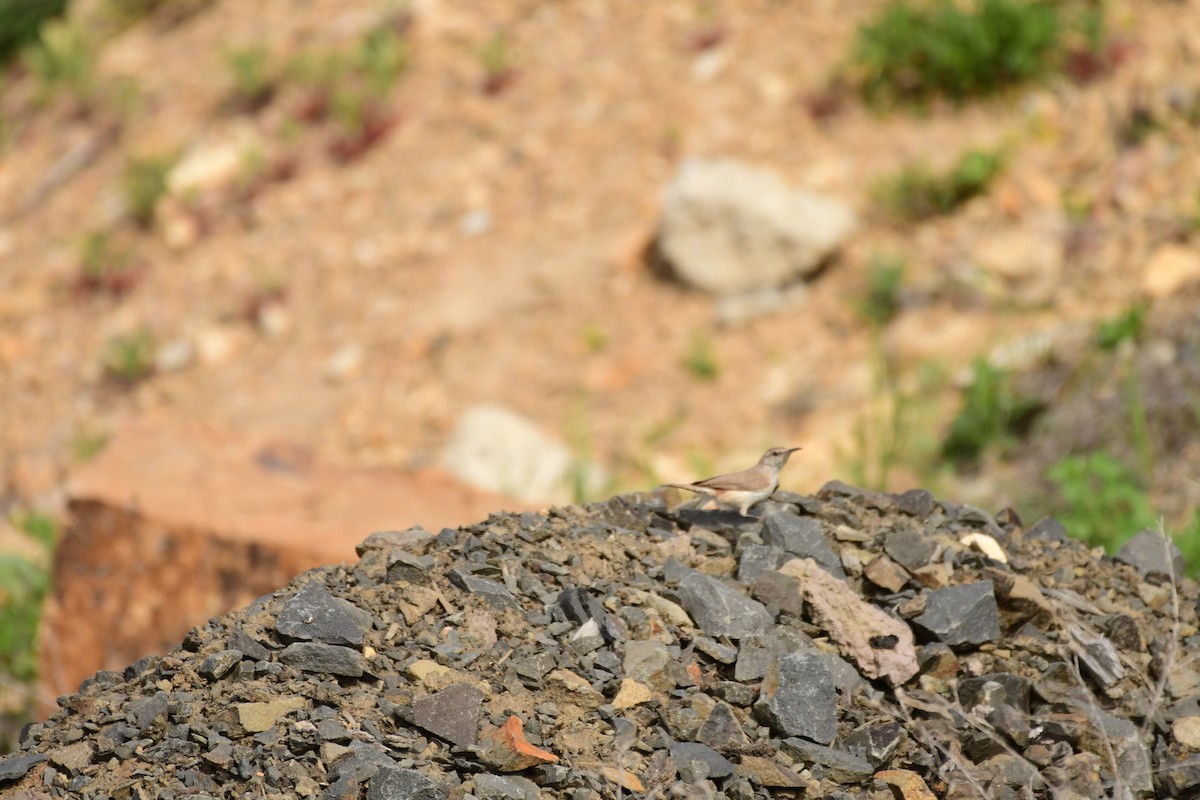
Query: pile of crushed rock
[{"x": 845, "y": 645}]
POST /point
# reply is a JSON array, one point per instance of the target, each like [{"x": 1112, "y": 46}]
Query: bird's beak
[{"x": 794, "y": 449}]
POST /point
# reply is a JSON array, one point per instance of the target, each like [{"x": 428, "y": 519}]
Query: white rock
[
  {"x": 986, "y": 545},
  {"x": 1171, "y": 267},
  {"x": 345, "y": 363},
  {"x": 216, "y": 344},
  {"x": 212, "y": 165},
  {"x": 495, "y": 449},
  {"x": 729, "y": 228},
  {"x": 174, "y": 355}
]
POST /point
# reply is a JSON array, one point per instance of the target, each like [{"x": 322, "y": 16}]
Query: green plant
[
  {"x": 86, "y": 446},
  {"x": 144, "y": 182},
  {"x": 595, "y": 337},
  {"x": 1104, "y": 502},
  {"x": 64, "y": 58},
  {"x": 382, "y": 58},
  {"x": 254, "y": 78},
  {"x": 23, "y": 586},
  {"x": 21, "y": 21},
  {"x": 917, "y": 50},
  {"x": 991, "y": 413},
  {"x": 700, "y": 358},
  {"x": 881, "y": 301},
  {"x": 917, "y": 193},
  {"x": 129, "y": 359},
  {"x": 1126, "y": 327},
  {"x": 496, "y": 57}
]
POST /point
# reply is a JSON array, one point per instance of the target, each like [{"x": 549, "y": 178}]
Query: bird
[{"x": 743, "y": 489}]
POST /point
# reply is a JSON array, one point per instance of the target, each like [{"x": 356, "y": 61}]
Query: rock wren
[{"x": 744, "y": 489}]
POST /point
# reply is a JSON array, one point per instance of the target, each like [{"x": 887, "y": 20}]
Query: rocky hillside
[{"x": 845, "y": 645}]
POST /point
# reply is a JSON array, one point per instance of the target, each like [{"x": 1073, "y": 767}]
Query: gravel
[{"x": 596, "y": 651}]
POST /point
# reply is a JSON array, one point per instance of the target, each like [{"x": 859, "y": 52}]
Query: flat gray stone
[
  {"x": 313, "y": 614},
  {"x": 798, "y": 697},
  {"x": 779, "y": 591},
  {"x": 839, "y": 766},
  {"x": 721, "y": 728},
  {"x": 495, "y": 593},
  {"x": 647, "y": 661},
  {"x": 962, "y": 615},
  {"x": 909, "y": 548},
  {"x": 756, "y": 559},
  {"x": 757, "y": 652},
  {"x": 505, "y": 787},
  {"x": 698, "y": 761},
  {"x": 1149, "y": 552},
  {"x": 803, "y": 537},
  {"x": 390, "y": 783},
  {"x": 15, "y": 765},
  {"x": 451, "y": 714},
  {"x": 721, "y": 610},
  {"x": 218, "y": 665},
  {"x": 317, "y": 657},
  {"x": 876, "y": 741}
]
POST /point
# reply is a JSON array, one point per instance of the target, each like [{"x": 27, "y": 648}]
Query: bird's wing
[{"x": 748, "y": 480}]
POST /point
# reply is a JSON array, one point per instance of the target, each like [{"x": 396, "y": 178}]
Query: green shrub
[
  {"x": 129, "y": 359},
  {"x": 144, "y": 182},
  {"x": 23, "y": 587},
  {"x": 1126, "y": 327},
  {"x": 64, "y": 58},
  {"x": 881, "y": 301},
  {"x": 700, "y": 359},
  {"x": 21, "y": 21},
  {"x": 253, "y": 76},
  {"x": 992, "y": 413},
  {"x": 917, "y": 50},
  {"x": 1104, "y": 502},
  {"x": 917, "y": 193}
]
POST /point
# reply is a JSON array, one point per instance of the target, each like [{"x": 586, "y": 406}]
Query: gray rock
[
  {"x": 756, "y": 559},
  {"x": 73, "y": 758},
  {"x": 505, "y": 787},
  {"x": 317, "y": 657},
  {"x": 14, "y": 765},
  {"x": 993, "y": 690},
  {"x": 909, "y": 548},
  {"x": 313, "y": 614},
  {"x": 409, "y": 567},
  {"x": 1050, "y": 530},
  {"x": 452, "y": 713},
  {"x": 962, "y": 615},
  {"x": 721, "y": 653},
  {"x": 758, "y": 651},
  {"x": 779, "y": 591},
  {"x": 250, "y": 647},
  {"x": 916, "y": 503},
  {"x": 390, "y": 783},
  {"x": 803, "y": 537},
  {"x": 647, "y": 661},
  {"x": 1151, "y": 553},
  {"x": 149, "y": 712},
  {"x": 721, "y": 728},
  {"x": 876, "y": 741},
  {"x": 697, "y": 762},
  {"x": 729, "y": 228},
  {"x": 840, "y": 766},
  {"x": 798, "y": 697},
  {"x": 496, "y": 593},
  {"x": 218, "y": 665},
  {"x": 720, "y": 610}
]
